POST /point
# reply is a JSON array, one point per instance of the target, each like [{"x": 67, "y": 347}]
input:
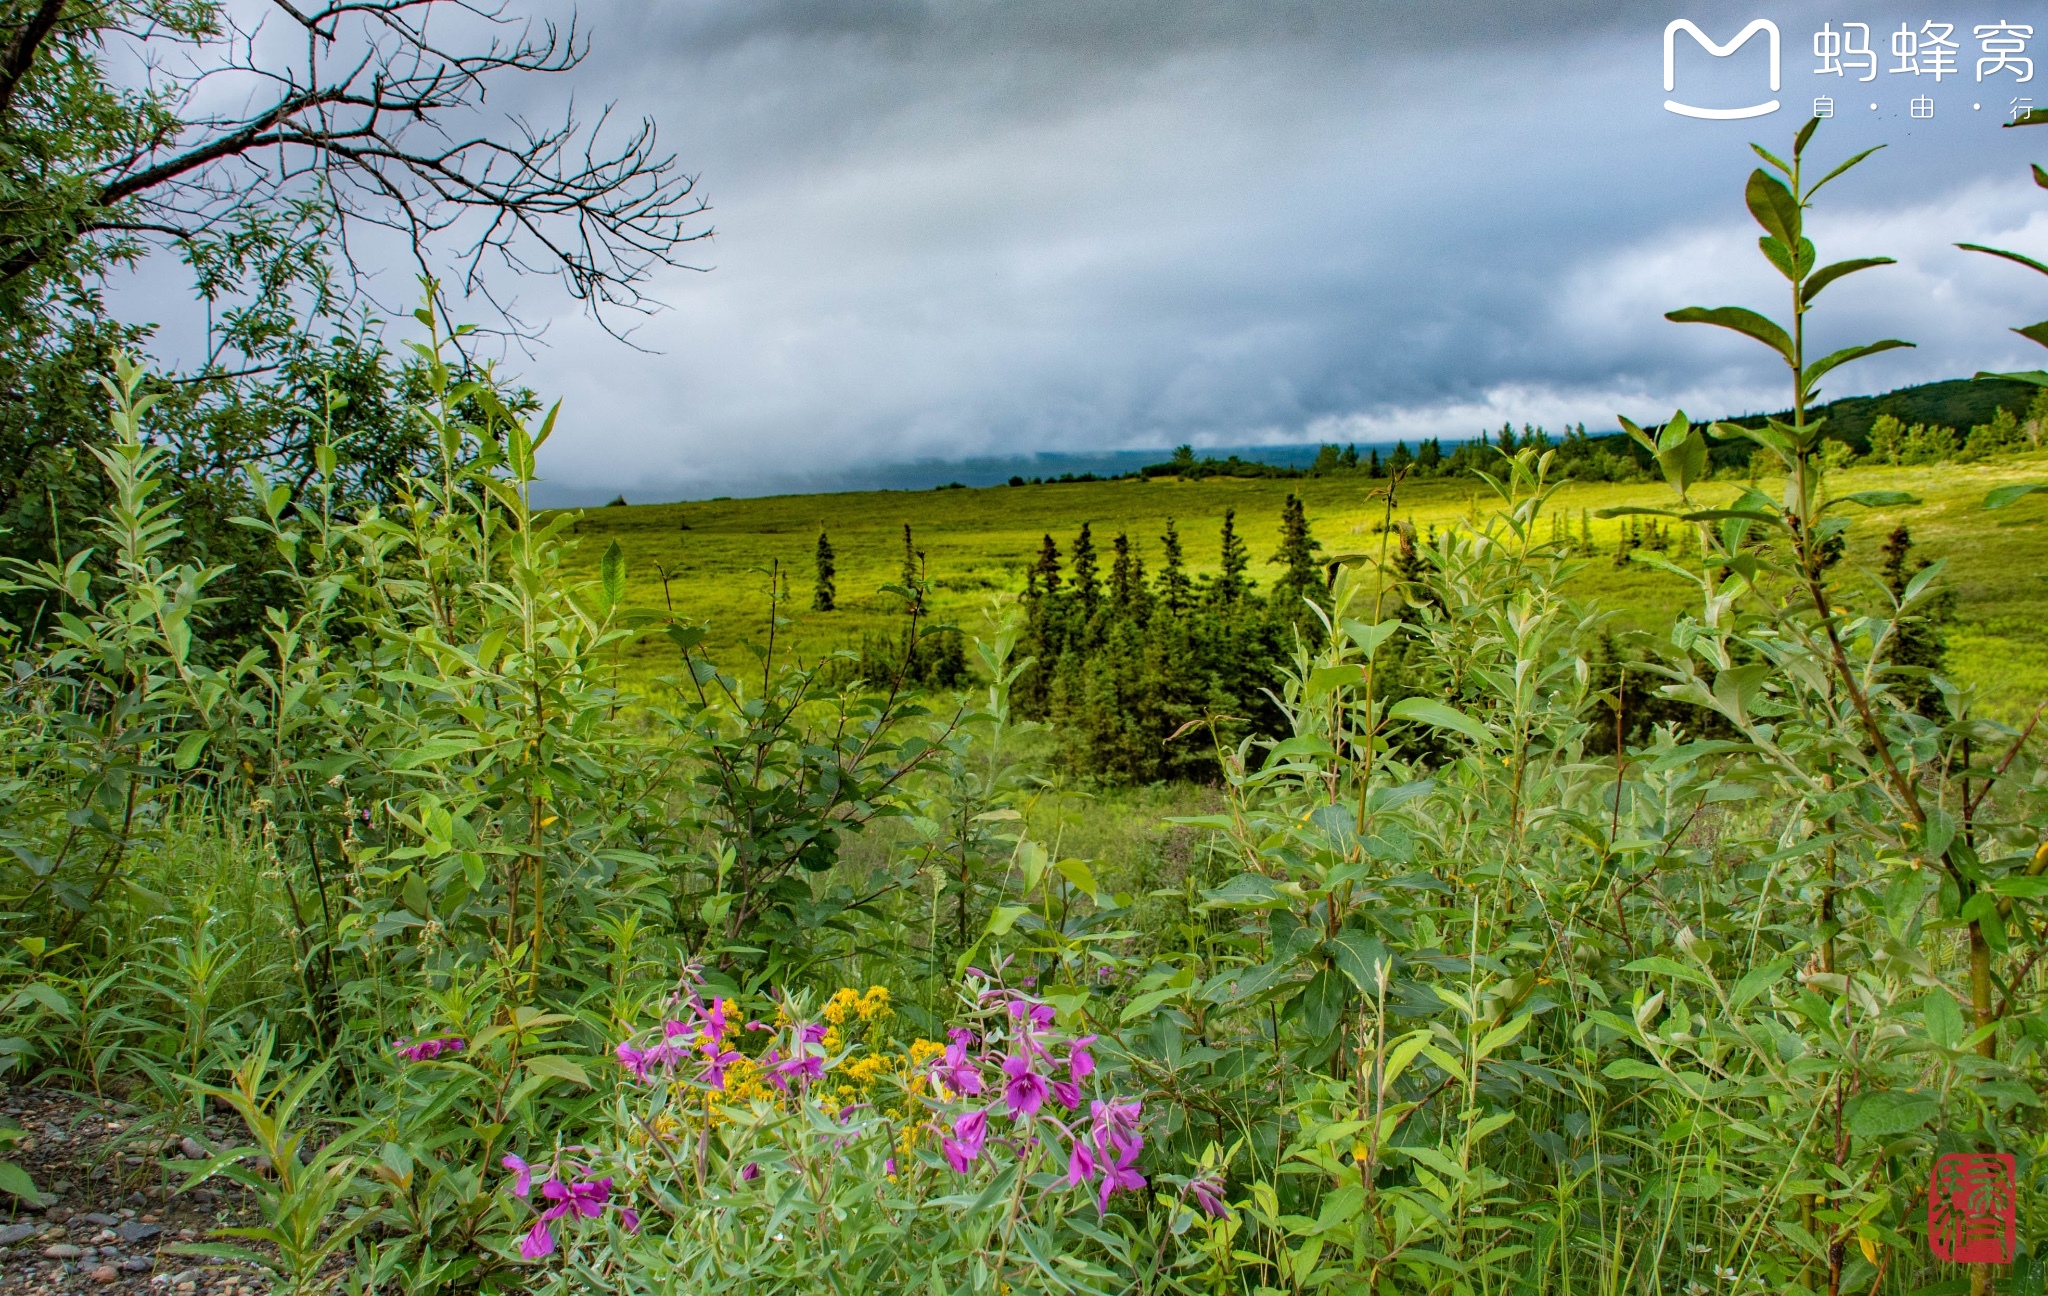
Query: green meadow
[{"x": 712, "y": 561}]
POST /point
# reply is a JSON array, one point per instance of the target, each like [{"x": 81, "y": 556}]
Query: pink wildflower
[
  {"x": 953, "y": 1071},
  {"x": 522, "y": 1183},
  {"x": 1025, "y": 1091},
  {"x": 428, "y": 1049},
  {"x": 969, "y": 1133}
]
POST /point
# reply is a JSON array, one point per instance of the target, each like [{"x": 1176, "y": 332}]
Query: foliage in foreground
[{"x": 520, "y": 981}]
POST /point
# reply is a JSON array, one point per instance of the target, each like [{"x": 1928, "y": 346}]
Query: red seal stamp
[{"x": 1973, "y": 1208}]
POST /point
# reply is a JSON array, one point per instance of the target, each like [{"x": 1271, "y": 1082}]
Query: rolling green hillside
[{"x": 978, "y": 543}]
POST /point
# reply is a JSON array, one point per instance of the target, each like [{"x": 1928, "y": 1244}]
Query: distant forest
[{"x": 1959, "y": 404}]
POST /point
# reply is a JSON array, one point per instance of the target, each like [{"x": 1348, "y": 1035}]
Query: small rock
[
  {"x": 138, "y": 1264},
  {"x": 52, "y": 1132},
  {"x": 102, "y": 1219},
  {"x": 61, "y": 1251},
  {"x": 190, "y": 1147},
  {"x": 186, "y": 1288},
  {"x": 134, "y": 1232},
  {"x": 14, "y": 1233},
  {"x": 105, "y": 1274}
]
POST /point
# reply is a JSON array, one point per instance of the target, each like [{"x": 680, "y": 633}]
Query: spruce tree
[
  {"x": 1120, "y": 590},
  {"x": 1231, "y": 586},
  {"x": 1399, "y": 461},
  {"x": 1297, "y": 553},
  {"x": 1086, "y": 587},
  {"x": 1174, "y": 587},
  {"x": 1921, "y": 643},
  {"x": 1372, "y": 464},
  {"x": 824, "y": 594},
  {"x": 1047, "y": 569}
]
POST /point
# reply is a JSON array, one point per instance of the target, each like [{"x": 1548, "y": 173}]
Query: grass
[{"x": 977, "y": 544}]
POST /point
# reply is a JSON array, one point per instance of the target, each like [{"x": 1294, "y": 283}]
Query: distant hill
[{"x": 1960, "y": 403}]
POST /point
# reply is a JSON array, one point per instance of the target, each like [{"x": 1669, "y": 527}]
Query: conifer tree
[
  {"x": 1399, "y": 461},
  {"x": 824, "y": 595},
  {"x": 1174, "y": 587},
  {"x": 1231, "y": 586},
  {"x": 1121, "y": 591},
  {"x": 1297, "y": 553},
  {"x": 1086, "y": 588},
  {"x": 1047, "y": 569},
  {"x": 1349, "y": 458},
  {"x": 1372, "y": 464}
]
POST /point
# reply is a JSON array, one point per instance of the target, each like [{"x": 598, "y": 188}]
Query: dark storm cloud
[{"x": 974, "y": 228}]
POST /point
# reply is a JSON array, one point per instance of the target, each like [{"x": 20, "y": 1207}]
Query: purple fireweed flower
[
  {"x": 969, "y": 1133},
  {"x": 1025, "y": 1091},
  {"x": 539, "y": 1242},
  {"x": 634, "y": 1060},
  {"x": 954, "y": 1072},
  {"x": 629, "y": 1220},
  {"x": 803, "y": 1068},
  {"x": 1208, "y": 1194},
  {"x": 1080, "y": 1163},
  {"x": 584, "y": 1199},
  {"x": 522, "y": 1182},
  {"x": 715, "y": 1063},
  {"x": 1118, "y": 1175},
  {"x": 1066, "y": 1093},
  {"x": 750, "y": 1172},
  {"x": 1115, "y": 1126},
  {"x": 427, "y": 1049},
  {"x": 715, "y": 1021},
  {"x": 1080, "y": 1062}
]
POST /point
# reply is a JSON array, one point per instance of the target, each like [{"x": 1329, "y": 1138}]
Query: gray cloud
[{"x": 955, "y": 229}]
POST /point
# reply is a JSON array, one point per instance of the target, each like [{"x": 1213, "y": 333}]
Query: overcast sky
[{"x": 953, "y": 228}]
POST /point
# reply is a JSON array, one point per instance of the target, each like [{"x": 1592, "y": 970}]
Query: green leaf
[
  {"x": 1078, "y": 873},
  {"x": 1426, "y": 711},
  {"x": 1658, "y": 965},
  {"x": 1369, "y": 638},
  {"x": 1322, "y": 1004},
  {"x": 432, "y": 750},
  {"x": 2021, "y": 888},
  {"x": 2005, "y": 495},
  {"x": 2032, "y": 377},
  {"x": 1890, "y": 1112},
  {"x": 1360, "y": 957},
  {"x": 1944, "y": 1019},
  {"x": 1245, "y": 891},
  {"x": 1741, "y": 320},
  {"x": 1755, "y": 981},
  {"x": 557, "y": 1067},
  {"x": 2026, "y": 261},
  {"x": 2035, "y": 332},
  {"x": 1773, "y": 206},
  {"x": 1876, "y": 499},
  {"x": 1836, "y": 359},
  {"x": 1005, "y": 917},
  {"x": 1827, "y": 274},
  {"x": 189, "y": 748},
  {"x": 613, "y": 575},
  {"x": 15, "y": 1181}
]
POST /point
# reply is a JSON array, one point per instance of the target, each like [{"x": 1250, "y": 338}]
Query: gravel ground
[{"x": 110, "y": 1178}]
